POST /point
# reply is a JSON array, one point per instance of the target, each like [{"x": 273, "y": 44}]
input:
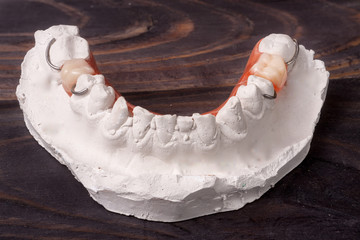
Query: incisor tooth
[
  {"x": 231, "y": 119},
  {"x": 71, "y": 70},
  {"x": 185, "y": 123},
  {"x": 165, "y": 126},
  {"x": 272, "y": 68},
  {"x": 205, "y": 128}
]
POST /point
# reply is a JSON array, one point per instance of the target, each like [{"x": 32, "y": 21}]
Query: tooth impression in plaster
[
  {"x": 278, "y": 44},
  {"x": 141, "y": 130},
  {"x": 101, "y": 98},
  {"x": 118, "y": 116},
  {"x": 251, "y": 100},
  {"x": 265, "y": 86},
  {"x": 206, "y": 130},
  {"x": 231, "y": 120},
  {"x": 171, "y": 168},
  {"x": 165, "y": 126}
]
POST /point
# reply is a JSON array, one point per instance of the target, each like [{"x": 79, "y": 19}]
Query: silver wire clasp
[
  {"x": 296, "y": 53},
  {"x": 270, "y": 96},
  {"x": 47, "y": 56},
  {"x": 291, "y": 61}
]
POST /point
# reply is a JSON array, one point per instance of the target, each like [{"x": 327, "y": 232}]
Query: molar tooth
[
  {"x": 165, "y": 126},
  {"x": 141, "y": 122},
  {"x": 101, "y": 97},
  {"x": 185, "y": 124},
  {"x": 71, "y": 70},
  {"x": 231, "y": 119},
  {"x": 272, "y": 68},
  {"x": 205, "y": 128},
  {"x": 68, "y": 47},
  {"x": 118, "y": 115},
  {"x": 251, "y": 100},
  {"x": 278, "y": 44}
]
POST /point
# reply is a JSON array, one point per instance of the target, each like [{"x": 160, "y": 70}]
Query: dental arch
[
  {"x": 168, "y": 167},
  {"x": 228, "y": 121}
]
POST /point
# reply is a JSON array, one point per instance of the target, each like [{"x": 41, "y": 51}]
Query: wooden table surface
[{"x": 183, "y": 57}]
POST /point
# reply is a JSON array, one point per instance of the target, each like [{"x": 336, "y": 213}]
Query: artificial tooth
[
  {"x": 101, "y": 98},
  {"x": 118, "y": 116},
  {"x": 141, "y": 122},
  {"x": 272, "y": 68},
  {"x": 205, "y": 128},
  {"x": 231, "y": 119},
  {"x": 71, "y": 70},
  {"x": 165, "y": 126},
  {"x": 251, "y": 100}
]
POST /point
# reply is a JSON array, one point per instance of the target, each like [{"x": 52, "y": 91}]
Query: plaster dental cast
[{"x": 167, "y": 167}]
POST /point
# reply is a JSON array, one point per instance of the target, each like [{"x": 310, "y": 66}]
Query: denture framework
[{"x": 167, "y": 167}]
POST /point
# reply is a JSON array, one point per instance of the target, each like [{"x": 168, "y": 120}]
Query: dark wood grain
[{"x": 183, "y": 57}]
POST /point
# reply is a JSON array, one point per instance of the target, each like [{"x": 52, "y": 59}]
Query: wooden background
[{"x": 183, "y": 57}]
